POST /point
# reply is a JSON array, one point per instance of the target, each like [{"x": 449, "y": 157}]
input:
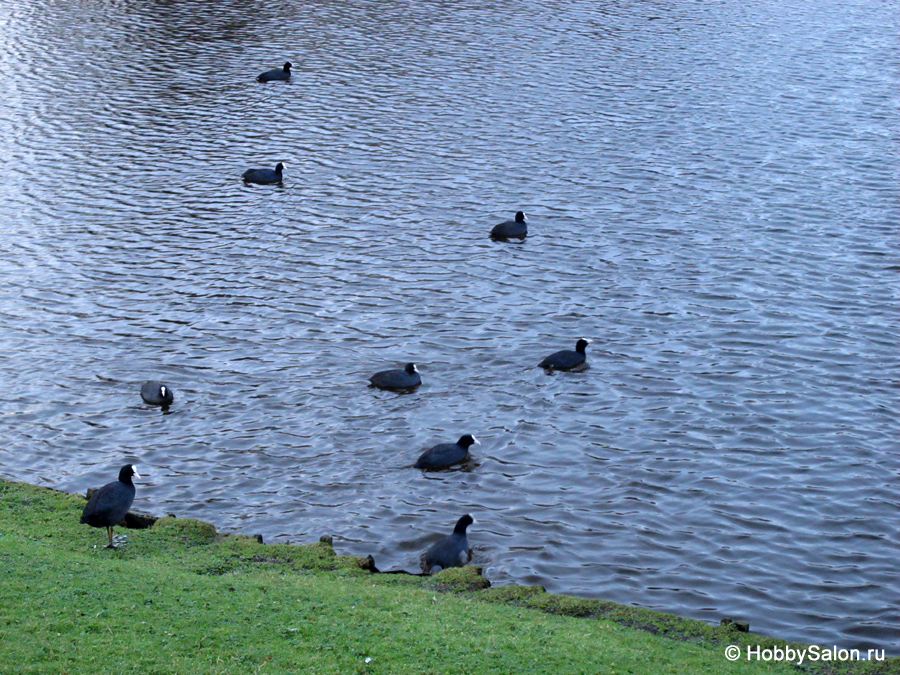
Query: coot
[
  {"x": 452, "y": 551},
  {"x": 445, "y": 454},
  {"x": 566, "y": 359},
  {"x": 399, "y": 378},
  {"x": 156, "y": 393},
  {"x": 108, "y": 505},
  {"x": 283, "y": 73},
  {"x": 511, "y": 229},
  {"x": 264, "y": 176}
]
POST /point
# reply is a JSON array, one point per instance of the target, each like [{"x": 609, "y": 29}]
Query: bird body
[
  {"x": 156, "y": 393},
  {"x": 264, "y": 176},
  {"x": 452, "y": 551},
  {"x": 511, "y": 229},
  {"x": 446, "y": 454},
  {"x": 566, "y": 359},
  {"x": 283, "y": 73},
  {"x": 108, "y": 505},
  {"x": 399, "y": 378}
]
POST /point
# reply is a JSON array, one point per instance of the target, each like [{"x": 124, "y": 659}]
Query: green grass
[{"x": 180, "y": 598}]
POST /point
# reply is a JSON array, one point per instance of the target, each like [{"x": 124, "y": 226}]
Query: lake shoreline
[{"x": 42, "y": 522}]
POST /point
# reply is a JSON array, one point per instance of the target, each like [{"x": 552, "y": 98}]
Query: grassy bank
[{"x": 180, "y": 598}]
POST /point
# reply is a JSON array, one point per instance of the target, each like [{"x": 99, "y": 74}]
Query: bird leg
[{"x": 109, "y": 531}]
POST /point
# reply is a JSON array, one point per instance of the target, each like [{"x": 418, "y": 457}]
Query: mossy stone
[
  {"x": 458, "y": 580},
  {"x": 191, "y": 532}
]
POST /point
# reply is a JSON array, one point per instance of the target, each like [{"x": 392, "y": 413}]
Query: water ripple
[{"x": 712, "y": 200}]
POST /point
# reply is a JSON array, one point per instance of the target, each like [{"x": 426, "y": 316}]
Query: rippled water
[{"x": 712, "y": 189}]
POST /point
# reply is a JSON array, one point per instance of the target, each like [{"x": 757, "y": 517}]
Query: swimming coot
[
  {"x": 452, "y": 551},
  {"x": 405, "y": 378},
  {"x": 511, "y": 229},
  {"x": 566, "y": 359},
  {"x": 156, "y": 393},
  {"x": 283, "y": 73},
  {"x": 445, "y": 454},
  {"x": 108, "y": 505},
  {"x": 264, "y": 176}
]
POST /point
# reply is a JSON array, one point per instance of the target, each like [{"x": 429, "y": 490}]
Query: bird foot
[{"x": 118, "y": 539}]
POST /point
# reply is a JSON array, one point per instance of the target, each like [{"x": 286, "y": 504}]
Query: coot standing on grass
[
  {"x": 108, "y": 505},
  {"x": 452, "y": 551},
  {"x": 511, "y": 229},
  {"x": 566, "y": 359},
  {"x": 446, "y": 454},
  {"x": 264, "y": 176},
  {"x": 156, "y": 393},
  {"x": 399, "y": 378},
  {"x": 283, "y": 73}
]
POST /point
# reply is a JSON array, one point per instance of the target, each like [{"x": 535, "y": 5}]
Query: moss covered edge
[{"x": 36, "y": 512}]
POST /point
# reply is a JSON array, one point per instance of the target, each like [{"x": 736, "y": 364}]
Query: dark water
[{"x": 713, "y": 196}]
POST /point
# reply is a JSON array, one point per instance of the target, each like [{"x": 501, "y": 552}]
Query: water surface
[{"x": 712, "y": 190}]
